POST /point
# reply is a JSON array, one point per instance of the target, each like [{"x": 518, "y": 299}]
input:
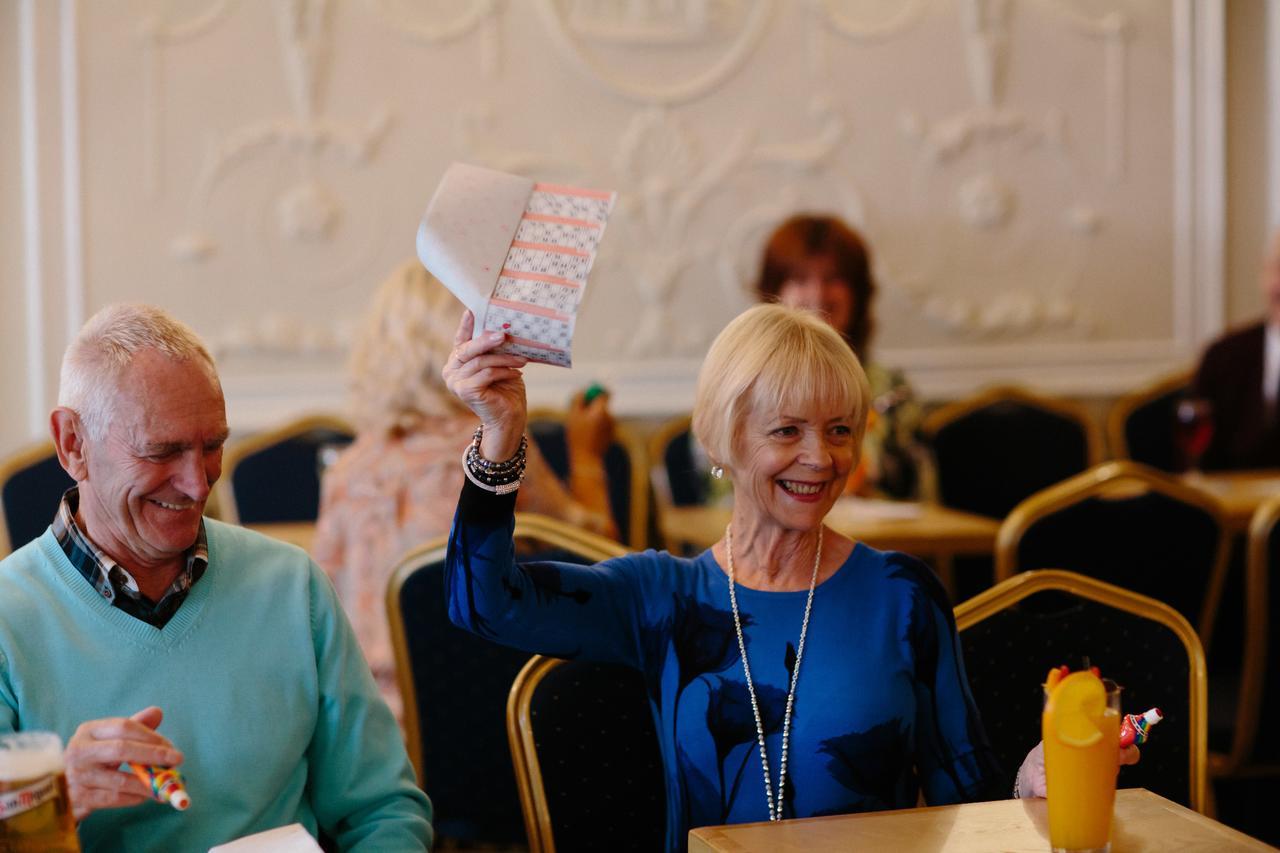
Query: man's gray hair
[{"x": 107, "y": 344}]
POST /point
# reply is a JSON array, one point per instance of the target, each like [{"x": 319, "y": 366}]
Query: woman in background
[
  {"x": 819, "y": 262},
  {"x": 397, "y": 485}
]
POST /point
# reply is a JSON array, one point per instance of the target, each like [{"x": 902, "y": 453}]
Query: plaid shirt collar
[{"x": 112, "y": 581}]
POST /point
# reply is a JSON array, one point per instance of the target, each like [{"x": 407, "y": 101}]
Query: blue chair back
[
  {"x": 1055, "y": 617},
  {"x": 275, "y": 476},
  {"x": 455, "y": 685},
  {"x": 31, "y": 485},
  {"x": 621, "y": 471}
]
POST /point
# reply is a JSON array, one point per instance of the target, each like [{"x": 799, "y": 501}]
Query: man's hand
[
  {"x": 98, "y": 748},
  {"x": 1031, "y": 774}
]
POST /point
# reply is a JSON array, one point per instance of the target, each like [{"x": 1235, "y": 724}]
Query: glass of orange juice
[{"x": 1081, "y": 730}]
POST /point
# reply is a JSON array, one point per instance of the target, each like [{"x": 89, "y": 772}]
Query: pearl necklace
[{"x": 774, "y": 813}]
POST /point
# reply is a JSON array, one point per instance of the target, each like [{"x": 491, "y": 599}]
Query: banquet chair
[
  {"x": 994, "y": 449},
  {"x": 31, "y": 485},
  {"x": 1129, "y": 525},
  {"x": 1256, "y": 747},
  {"x": 587, "y": 757},
  {"x": 1140, "y": 425},
  {"x": 1013, "y": 633},
  {"x": 274, "y": 476},
  {"x": 623, "y": 465},
  {"x": 675, "y": 475},
  {"x": 454, "y": 686}
]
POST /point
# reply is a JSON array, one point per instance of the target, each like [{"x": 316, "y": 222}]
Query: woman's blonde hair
[
  {"x": 775, "y": 359},
  {"x": 401, "y": 349}
]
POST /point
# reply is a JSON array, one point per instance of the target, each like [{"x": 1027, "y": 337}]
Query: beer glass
[{"x": 35, "y": 812}]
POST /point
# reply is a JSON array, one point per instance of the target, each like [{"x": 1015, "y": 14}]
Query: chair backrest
[
  {"x": 1140, "y": 425},
  {"x": 996, "y": 448},
  {"x": 274, "y": 476},
  {"x": 454, "y": 686},
  {"x": 1056, "y": 617},
  {"x": 31, "y": 485},
  {"x": 624, "y": 468},
  {"x": 587, "y": 757},
  {"x": 1129, "y": 525},
  {"x": 675, "y": 474},
  {"x": 1257, "y": 745}
]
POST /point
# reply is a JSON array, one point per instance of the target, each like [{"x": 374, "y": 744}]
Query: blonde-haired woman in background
[{"x": 397, "y": 485}]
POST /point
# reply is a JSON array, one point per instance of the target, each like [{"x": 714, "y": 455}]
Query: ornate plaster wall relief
[
  {"x": 986, "y": 33},
  {"x": 1000, "y": 226},
  {"x": 474, "y": 132},
  {"x": 665, "y": 180},
  {"x": 282, "y": 335},
  {"x": 156, "y": 29},
  {"x": 1113, "y": 29},
  {"x": 858, "y": 21},
  {"x": 308, "y": 211},
  {"x": 582, "y": 29},
  {"x": 445, "y": 21}
]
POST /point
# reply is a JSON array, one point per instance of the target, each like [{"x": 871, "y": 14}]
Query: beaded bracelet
[{"x": 501, "y": 478}]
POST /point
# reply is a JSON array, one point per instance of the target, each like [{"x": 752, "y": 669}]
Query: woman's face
[
  {"x": 816, "y": 284},
  {"x": 792, "y": 465}
]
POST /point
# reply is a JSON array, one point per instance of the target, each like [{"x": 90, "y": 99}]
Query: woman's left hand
[{"x": 1031, "y": 774}]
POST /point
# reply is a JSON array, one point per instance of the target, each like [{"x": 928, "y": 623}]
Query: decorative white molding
[
  {"x": 303, "y": 31},
  {"x": 1210, "y": 167},
  {"x": 287, "y": 335},
  {"x": 1113, "y": 29},
  {"x": 154, "y": 33},
  {"x": 305, "y": 212},
  {"x": 905, "y": 16},
  {"x": 33, "y": 271},
  {"x": 1273, "y": 113},
  {"x": 986, "y": 30},
  {"x": 72, "y": 214},
  {"x": 476, "y": 15},
  {"x": 566, "y": 41}
]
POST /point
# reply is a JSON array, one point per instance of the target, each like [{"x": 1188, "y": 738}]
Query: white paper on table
[
  {"x": 283, "y": 839},
  {"x": 516, "y": 252},
  {"x": 880, "y": 509}
]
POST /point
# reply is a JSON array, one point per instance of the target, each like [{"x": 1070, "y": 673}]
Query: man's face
[
  {"x": 147, "y": 479},
  {"x": 1271, "y": 280}
]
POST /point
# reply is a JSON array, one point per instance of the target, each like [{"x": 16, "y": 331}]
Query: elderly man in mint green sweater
[{"x": 141, "y": 631}]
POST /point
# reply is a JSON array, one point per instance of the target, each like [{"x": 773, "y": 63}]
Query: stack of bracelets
[{"x": 498, "y": 477}]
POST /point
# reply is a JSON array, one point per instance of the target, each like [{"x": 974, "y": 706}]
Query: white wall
[{"x": 1044, "y": 181}]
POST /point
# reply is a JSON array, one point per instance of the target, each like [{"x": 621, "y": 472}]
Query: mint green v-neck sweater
[{"x": 262, "y": 684}]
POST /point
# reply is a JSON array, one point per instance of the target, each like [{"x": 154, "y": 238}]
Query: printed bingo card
[{"x": 516, "y": 252}]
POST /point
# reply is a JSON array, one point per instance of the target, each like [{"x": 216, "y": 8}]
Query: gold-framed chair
[
  {"x": 993, "y": 449},
  {"x": 675, "y": 476},
  {"x": 31, "y": 485},
  {"x": 1255, "y": 748},
  {"x": 274, "y": 475},
  {"x": 1130, "y": 525},
  {"x": 1140, "y": 424},
  {"x": 585, "y": 776},
  {"x": 456, "y": 683},
  {"x": 625, "y": 470},
  {"x": 1053, "y": 617}
]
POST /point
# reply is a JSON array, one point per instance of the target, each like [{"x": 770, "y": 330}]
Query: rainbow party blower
[
  {"x": 165, "y": 783},
  {"x": 1136, "y": 728}
]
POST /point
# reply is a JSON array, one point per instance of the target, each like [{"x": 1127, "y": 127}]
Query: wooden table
[
  {"x": 300, "y": 533},
  {"x": 1239, "y": 492},
  {"x": 922, "y": 529},
  {"x": 1143, "y": 822}
]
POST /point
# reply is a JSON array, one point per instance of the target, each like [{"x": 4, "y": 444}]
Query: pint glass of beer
[{"x": 35, "y": 813}]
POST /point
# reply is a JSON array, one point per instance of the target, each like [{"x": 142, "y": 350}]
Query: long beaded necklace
[{"x": 775, "y": 813}]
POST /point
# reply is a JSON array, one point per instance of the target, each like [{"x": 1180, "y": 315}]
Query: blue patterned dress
[{"x": 882, "y": 708}]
